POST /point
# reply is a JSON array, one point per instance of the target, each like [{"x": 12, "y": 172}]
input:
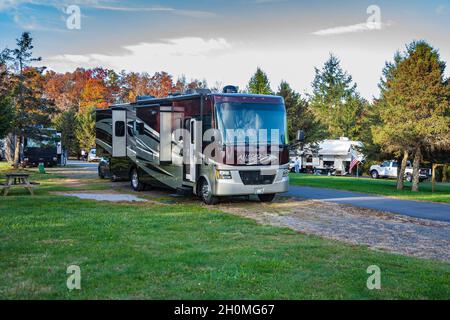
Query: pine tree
[
  {"x": 299, "y": 115},
  {"x": 85, "y": 129},
  {"x": 335, "y": 101},
  {"x": 414, "y": 105},
  {"x": 259, "y": 83},
  {"x": 67, "y": 123}
]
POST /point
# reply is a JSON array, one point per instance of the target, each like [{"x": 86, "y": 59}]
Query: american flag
[{"x": 355, "y": 160}]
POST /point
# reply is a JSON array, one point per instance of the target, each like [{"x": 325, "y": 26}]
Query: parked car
[
  {"x": 103, "y": 168},
  {"x": 388, "y": 169},
  {"x": 92, "y": 156}
]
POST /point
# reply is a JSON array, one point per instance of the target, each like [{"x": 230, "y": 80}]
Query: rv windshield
[
  {"x": 245, "y": 118},
  {"x": 42, "y": 140}
]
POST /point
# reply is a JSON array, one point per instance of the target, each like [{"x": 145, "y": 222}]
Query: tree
[
  {"x": 415, "y": 105},
  {"x": 6, "y": 107},
  {"x": 335, "y": 101},
  {"x": 6, "y": 116},
  {"x": 94, "y": 94},
  {"x": 299, "y": 115},
  {"x": 161, "y": 84},
  {"x": 259, "y": 83},
  {"x": 197, "y": 84},
  {"x": 31, "y": 108},
  {"x": 85, "y": 129},
  {"x": 67, "y": 123}
]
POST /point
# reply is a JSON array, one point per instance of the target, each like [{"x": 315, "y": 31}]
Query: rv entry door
[
  {"x": 119, "y": 133},
  {"x": 192, "y": 176}
]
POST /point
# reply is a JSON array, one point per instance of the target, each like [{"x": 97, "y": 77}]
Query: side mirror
[{"x": 300, "y": 135}]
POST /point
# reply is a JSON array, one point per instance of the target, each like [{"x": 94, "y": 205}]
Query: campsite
[{"x": 185, "y": 159}]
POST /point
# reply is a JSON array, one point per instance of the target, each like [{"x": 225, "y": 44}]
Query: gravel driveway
[{"x": 382, "y": 231}]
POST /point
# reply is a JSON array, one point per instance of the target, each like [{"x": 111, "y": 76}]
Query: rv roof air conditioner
[{"x": 230, "y": 89}]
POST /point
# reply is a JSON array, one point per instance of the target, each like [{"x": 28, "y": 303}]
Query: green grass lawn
[
  {"x": 384, "y": 187},
  {"x": 187, "y": 252},
  {"x": 48, "y": 182},
  {"x": 184, "y": 251}
]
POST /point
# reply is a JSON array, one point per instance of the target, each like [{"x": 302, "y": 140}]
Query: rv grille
[{"x": 250, "y": 178}]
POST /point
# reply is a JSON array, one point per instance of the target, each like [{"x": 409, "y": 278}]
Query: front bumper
[{"x": 235, "y": 186}]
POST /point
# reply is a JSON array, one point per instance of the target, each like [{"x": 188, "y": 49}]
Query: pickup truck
[{"x": 388, "y": 169}]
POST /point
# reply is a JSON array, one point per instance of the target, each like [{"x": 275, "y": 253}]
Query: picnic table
[{"x": 17, "y": 180}]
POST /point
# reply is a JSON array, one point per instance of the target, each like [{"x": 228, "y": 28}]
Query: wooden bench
[{"x": 18, "y": 180}]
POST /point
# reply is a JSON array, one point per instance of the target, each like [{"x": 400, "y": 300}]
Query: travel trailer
[
  {"x": 332, "y": 156},
  {"x": 208, "y": 144}
]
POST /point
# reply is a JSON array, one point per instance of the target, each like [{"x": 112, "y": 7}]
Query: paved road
[
  {"x": 418, "y": 209},
  {"x": 84, "y": 164}
]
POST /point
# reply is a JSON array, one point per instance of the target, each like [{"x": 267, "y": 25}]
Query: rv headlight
[
  {"x": 285, "y": 173},
  {"x": 55, "y": 158},
  {"x": 223, "y": 174}
]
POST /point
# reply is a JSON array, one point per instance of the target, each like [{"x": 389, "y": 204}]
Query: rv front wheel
[
  {"x": 266, "y": 197},
  {"x": 206, "y": 193},
  {"x": 136, "y": 184}
]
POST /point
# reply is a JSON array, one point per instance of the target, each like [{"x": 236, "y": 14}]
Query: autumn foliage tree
[
  {"x": 6, "y": 106},
  {"x": 30, "y": 105}
]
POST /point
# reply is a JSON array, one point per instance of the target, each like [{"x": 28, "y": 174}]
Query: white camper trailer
[{"x": 331, "y": 156}]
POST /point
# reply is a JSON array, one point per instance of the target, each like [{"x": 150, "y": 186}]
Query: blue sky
[{"x": 223, "y": 41}]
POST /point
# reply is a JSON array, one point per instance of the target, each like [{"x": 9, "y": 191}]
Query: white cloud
[
  {"x": 218, "y": 60},
  {"x": 359, "y": 27},
  {"x": 165, "y": 55},
  {"x": 190, "y": 13},
  {"x": 108, "y": 5}
]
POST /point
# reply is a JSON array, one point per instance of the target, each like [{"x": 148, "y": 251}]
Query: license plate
[{"x": 259, "y": 191}]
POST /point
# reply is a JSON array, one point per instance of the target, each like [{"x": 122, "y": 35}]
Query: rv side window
[
  {"x": 192, "y": 134},
  {"x": 120, "y": 129},
  {"x": 139, "y": 128}
]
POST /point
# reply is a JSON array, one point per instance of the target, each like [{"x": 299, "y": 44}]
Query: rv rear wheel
[
  {"x": 266, "y": 197},
  {"x": 206, "y": 193},
  {"x": 136, "y": 184}
]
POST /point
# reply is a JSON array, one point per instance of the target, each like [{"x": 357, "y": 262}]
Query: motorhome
[
  {"x": 210, "y": 144},
  {"x": 41, "y": 145}
]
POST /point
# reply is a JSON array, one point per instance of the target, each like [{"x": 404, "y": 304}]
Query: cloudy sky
[{"x": 223, "y": 41}]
